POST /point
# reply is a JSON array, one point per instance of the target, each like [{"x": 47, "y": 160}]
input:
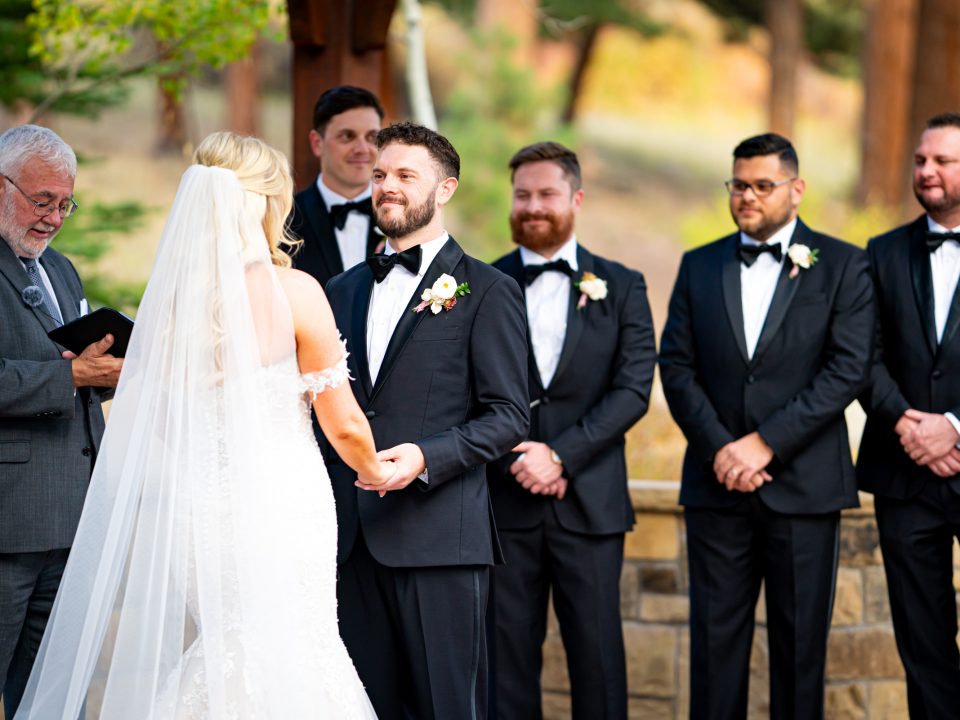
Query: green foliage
[
  {"x": 496, "y": 109},
  {"x": 87, "y": 237},
  {"x": 83, "y": 48}
]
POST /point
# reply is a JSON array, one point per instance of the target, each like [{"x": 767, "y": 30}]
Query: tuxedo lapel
[
  {"x": 922, "y": 278},
  {"x": 317, "y": 215},
  {"x": 783, "y": 294},
  {"x": 512, "y": 265},
  {"x": 358, "y": 329},
  {"x": 445, "y": 262},
  {"x": 12, "y": 269},
  {"x": 575, "y": 316},
  {"x": 732, "y": 296}
]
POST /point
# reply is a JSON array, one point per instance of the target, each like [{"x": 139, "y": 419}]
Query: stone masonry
[{"x": 864, "y": 674}]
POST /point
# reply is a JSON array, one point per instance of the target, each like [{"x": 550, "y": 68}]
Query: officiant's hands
[
  {"x": 95, "y": 367},
  {"x": 409, "y": 462}
]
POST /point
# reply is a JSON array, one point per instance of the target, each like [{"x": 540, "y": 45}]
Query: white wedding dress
[{"x": 201, "y": 583}]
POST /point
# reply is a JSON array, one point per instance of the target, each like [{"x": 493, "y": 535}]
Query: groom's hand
[{"x": 410, "y": 464}]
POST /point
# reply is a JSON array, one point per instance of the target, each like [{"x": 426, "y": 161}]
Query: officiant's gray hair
[{"x": 26, "y": 143}]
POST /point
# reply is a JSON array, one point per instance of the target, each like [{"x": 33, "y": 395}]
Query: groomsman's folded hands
[
  {"x": 740, "y": 465},
  {"x": 930, "y": 439}
]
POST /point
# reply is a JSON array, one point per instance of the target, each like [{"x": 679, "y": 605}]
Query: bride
[{"x": 201, "y": 583}]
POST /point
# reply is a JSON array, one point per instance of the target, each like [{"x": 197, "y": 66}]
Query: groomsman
[
  {"x": 909, "y": 457},
  {"x": 769, "y": 337},
  {"x": 560, "y": 498},
  {"x": 50, "y": 417},
  {"x": 334, "y": 214},
  {"x": 438, "y": 351}
]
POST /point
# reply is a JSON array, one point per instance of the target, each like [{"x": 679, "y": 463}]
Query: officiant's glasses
[
  {"x": 761, "y": 188},
  {"x": 42, "y": 208}
]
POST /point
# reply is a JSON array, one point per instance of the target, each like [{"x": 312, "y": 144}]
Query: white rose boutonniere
[
  {"x": 591, "y": 287},
  {"x": 442, "y": 295},
  {"x": 802, "y": 257}
]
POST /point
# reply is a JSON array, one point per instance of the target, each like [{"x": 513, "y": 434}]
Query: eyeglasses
[
  {"x": 43, "y": 208},
  {"x": 761, "y": 188}
]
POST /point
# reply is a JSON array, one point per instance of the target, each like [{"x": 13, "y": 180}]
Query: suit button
[
  {"x": 86, "y": 452},
  {"x": 937, "y": 374},
  {"x": 370, "y": 414},
  {"x": 750, "y": 379},
  {"x": 545, "y": 400}
]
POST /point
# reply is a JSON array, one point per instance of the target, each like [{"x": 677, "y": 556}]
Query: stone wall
[{"x": 864, "y": 674}]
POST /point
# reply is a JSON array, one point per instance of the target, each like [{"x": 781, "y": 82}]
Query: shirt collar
[
  {"x": 781, "y": 236},
  {"x": 567, "y": 251},
  {"x": 934, "y": 226},
  {"x": 331, "y": 198},
  {"x": 428, "y": 251}
]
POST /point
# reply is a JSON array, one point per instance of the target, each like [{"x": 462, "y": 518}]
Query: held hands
[
  {"x": 94, "y": 367},
  {"x": 536, "y": 471},
  {"x": 930, "y": 439},
  {"x": 408, "y": 462},
  {"x": 739, "y": 465}
]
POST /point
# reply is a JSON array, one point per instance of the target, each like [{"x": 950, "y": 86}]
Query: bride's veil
[{"x": 185, "y": 462}]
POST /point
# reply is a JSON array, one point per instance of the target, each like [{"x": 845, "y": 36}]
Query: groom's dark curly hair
[{"x": 439, "y": 148}]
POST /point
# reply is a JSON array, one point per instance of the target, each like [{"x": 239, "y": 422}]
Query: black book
[{"x": 77, "y": 335}]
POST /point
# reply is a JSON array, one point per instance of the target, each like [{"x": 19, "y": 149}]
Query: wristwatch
[{"x": 555, "y": 457}]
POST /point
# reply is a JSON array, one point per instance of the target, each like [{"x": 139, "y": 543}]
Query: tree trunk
[
  {"x": 172, "y": 130},
  {"x": 243, "y": 93},
  {"x": 418, "y": 80},
  {"x": 889, "y": 54},
  {"x": 784, "y": 21},
  {"x": 936, "y": 72},
  {"x": 585, "y": 42}
]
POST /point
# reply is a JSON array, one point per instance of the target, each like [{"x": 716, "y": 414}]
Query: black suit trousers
[
  {"x": 731, "y": 552},
  {"x": 916, "y": 536},
  {"x": 583, "y": 571},
  {"x": 417, "y": 636}
]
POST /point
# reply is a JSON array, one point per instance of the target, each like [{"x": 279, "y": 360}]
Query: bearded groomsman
[
  {"x": 560, "y": 498},
  {"x": 769, "y": 337},
  {"x": 909, "y": 457},
  {"x": 333, "y": 215}
]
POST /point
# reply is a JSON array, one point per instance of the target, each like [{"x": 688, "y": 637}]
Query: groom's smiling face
[{"x": 405, "y": 182}]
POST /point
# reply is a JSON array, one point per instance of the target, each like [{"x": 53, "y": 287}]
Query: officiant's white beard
[{"x": 17, "y": 236}]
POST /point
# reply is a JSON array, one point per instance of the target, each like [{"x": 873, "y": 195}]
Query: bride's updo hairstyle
[{"x": 262, "y": 170}]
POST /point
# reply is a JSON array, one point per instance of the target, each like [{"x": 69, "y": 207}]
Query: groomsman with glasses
[
  {"x": 909, "y": 458},
  {"x": 768, "y": 339}
]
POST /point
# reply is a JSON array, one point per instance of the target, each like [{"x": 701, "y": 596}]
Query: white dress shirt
[
  {"x": 945, "y": 271},
  {"x": 758, "y": 283},
  {"x": 352, "y": 240},
  {"x": 548, "y": 301},
  {"x": 391, "y": 299}
]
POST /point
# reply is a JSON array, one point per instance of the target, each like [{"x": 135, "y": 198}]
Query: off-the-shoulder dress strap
[{"x": 331, "y": 377}]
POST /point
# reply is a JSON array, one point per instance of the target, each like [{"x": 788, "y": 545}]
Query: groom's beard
[
  {"x": 410, "y": 220},
  {"x": 558, "y": 230}
]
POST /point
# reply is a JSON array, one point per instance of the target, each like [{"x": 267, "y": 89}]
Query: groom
[{"x": 438, "y": 351}]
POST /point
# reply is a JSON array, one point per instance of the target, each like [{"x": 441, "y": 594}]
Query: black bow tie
[
  {"x": 383, "y": 264},
  {"x": 750, "y": 253},
  {"x": 936, "y": 239},
  {"x": 532, "y": 272},
  {"x": 338, "y": 213}
]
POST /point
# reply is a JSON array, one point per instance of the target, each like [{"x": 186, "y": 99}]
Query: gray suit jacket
[{"x": 49, "y": 434}]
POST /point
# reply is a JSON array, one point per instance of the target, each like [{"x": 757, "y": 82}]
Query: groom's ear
[{"x": 446, "y": 189}]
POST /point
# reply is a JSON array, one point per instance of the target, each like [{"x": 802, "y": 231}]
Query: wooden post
[{"x": 335, "y": 42}]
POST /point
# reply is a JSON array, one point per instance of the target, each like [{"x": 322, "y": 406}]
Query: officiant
[{"x": 50, "y": 416}]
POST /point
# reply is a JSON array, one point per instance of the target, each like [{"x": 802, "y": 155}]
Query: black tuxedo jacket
[
  {"x": 319, "y": 255},
  {"x": 455, "y": 384},
  {"x": 911, "y": 369},
  {"x": 811, "y": 361},
  {"x": 600, "y": 389}
]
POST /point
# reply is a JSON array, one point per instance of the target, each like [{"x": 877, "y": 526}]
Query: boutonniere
[
  {"x": 443, "y": 295},
  {"x": 802, "y": 257},
  {"x": 32, "y": 296},
  {"x": 591, "y": 287}
]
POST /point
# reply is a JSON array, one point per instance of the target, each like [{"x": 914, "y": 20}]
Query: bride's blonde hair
[{"x": 263, "y": 170}]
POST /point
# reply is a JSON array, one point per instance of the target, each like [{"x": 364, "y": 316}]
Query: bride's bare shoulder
[{"x": 297, "y": 283}]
